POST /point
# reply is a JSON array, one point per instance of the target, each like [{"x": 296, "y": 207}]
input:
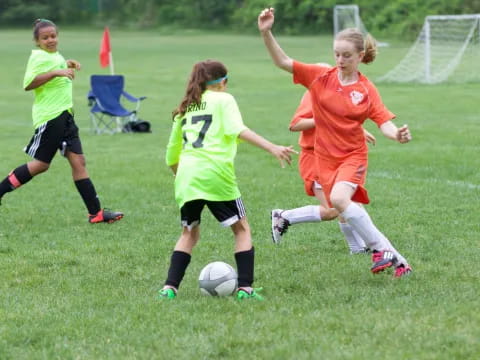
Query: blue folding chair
[{"x": 107, "y": 113}]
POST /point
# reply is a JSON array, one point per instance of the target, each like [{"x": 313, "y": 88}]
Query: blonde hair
[{"x": 366, "y": 44}]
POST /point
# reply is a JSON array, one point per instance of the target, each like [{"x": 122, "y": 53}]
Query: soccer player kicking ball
[{"x": 203, "y": 143}]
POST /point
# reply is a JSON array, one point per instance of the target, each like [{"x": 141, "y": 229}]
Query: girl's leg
[
  {"x": 311, "y": 213},
  {"x": 87, "y": 191},
  {"x": 21, "y": 175},
  {"x": 354, "y": 240},
  {"x": 360, "y": 221},
  {"x": 282, "y": 219},
  {"x": 245, "y": 258},
  {"x": 83, "y": 183},
  {"x": 181, "y": 257}
]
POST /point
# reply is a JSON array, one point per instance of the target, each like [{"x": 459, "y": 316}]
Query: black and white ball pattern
[{"x": 218, "y": 279}]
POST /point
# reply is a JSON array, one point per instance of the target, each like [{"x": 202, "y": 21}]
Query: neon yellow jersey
[
  {"x": 53, "y": 97},
  {"x": 203, "y": 143}
]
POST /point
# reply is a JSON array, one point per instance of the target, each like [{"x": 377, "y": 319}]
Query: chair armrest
[
  {"x": 91, "y": 98},
  {"x": 132, "y": 98}
]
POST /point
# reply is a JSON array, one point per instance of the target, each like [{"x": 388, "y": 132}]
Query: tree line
[{"x": 399, "y": 17}]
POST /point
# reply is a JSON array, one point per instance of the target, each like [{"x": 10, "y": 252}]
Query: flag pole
[{"x": 110, "y": 58}]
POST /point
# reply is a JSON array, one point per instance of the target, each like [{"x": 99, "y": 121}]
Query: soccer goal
[
  {"x": 348, "y": 16},
  {"x": 447, "y": 49}
]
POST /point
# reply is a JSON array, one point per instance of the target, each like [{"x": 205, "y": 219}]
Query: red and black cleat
[{"x": 105, "y": 215}]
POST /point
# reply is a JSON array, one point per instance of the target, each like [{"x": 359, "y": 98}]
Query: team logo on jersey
[{"x": 356, "y": 97}]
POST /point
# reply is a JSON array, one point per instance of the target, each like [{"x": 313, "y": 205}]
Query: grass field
[{"x": 70, "y": 290}]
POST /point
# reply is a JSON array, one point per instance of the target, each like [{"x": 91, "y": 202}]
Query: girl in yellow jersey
[
  {"x": 201, "y": 151},
  {"x": 50, "y": 77}
]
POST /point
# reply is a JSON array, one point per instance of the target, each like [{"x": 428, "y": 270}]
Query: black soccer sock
[
  {"x": 89, "y": 195},
  {"x": 15, "y": 179},
  {"x": 245, "y": 267},
  {"x": 178, "y": 264}
]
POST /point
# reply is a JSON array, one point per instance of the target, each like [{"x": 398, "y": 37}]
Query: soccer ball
[{"x": 218, "y": 279}]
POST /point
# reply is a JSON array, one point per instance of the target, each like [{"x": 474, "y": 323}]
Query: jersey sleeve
[
  {"x": 378, "y": 112},
  {"x": 37, "y": 64},
  {"x": 233, "y": 122},
  {"x": 304, "y": 110},
  {"x": 174, "y": 146},
  {"x": 305, "y": 73}
]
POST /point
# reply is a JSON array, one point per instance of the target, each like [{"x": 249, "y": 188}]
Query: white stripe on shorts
[
  {"x": 241, "y": 207},
  {"x": 36, "y": 140},
  {"x": 241, "y": 213}
]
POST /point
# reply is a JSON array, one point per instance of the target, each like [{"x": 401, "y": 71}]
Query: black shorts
[
  {"x": 226, "y": 212},
  {"x": 60, "y": 133}
]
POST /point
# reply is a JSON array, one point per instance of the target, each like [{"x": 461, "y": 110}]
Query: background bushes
[{"x": 393, "y": 18}]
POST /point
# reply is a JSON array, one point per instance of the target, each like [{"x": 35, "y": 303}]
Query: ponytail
[
  {"x": 370, "y": 46},
  {"x": 202, "y": 73}
]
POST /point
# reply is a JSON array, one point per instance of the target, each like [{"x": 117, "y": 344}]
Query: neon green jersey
[
  {"x": 53, "y": 97},
  {"x": 203, "y": 143}
]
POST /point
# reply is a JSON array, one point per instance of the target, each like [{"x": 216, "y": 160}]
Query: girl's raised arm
[{"x": 265, "y": 23}]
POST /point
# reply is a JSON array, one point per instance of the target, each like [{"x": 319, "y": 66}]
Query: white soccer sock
[
  {"x": 354, "y": 240},
  {"x": 310, "y": 213},
  {"x": 360, "y": 221}
]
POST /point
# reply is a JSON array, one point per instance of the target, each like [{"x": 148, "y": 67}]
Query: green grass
[{"x": 69, "y": 290}]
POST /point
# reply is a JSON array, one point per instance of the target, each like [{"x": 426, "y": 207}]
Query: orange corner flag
[{"x": 105, "y": 49}]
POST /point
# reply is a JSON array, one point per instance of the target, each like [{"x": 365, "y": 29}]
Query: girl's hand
[
  {"x": 403, "y": 135},
  {"x": 69, "y": 73},
  {"x": 266, "y": 19},
  {"x": 283, "y": 153},
  {"x": 369, "y": 137},
  {"x": 73, "y": 64}
]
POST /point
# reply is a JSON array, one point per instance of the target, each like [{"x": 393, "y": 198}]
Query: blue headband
[{"x": 216, "y": 81}]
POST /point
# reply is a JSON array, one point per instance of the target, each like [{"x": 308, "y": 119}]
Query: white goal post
[
  {"x": 348, "y": 16},
  {"x": 448, "y": 48}
]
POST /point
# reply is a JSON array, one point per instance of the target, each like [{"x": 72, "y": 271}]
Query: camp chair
[{"x": 106, "y": 110}]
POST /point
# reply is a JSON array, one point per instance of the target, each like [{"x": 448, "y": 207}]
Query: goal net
[
  {"x": 447, "y": 49},
  {"x": 348, "y": 16}
]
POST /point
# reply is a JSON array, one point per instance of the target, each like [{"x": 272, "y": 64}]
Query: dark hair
[
  {"x": 41, "y": 23},
  {"x": 362, "y": 43},
  {"x": 202, "y": 72}
]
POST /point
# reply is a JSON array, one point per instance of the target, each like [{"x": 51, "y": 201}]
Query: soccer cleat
[
  {"x": 279, "y": 225},
  {"x": 167, "y": 293},
  {"x": 243, "y": 293},
  {"x": 382, "y": 260},
  {"x": 402, "y": 270},
  {"x": 105, "y": 215}
]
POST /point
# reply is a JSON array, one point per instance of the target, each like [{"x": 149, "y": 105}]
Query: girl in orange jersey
[
  {"x": 342, "y": 99},
  {"x": 303, "y": 121}
]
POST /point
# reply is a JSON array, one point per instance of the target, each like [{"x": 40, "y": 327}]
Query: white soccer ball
[{"x": 218, "y": 279}]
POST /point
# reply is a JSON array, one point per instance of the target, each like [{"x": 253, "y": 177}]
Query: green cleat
[
  {"x": 167, "y": 293},
  {"x": 243, "y": 293}
]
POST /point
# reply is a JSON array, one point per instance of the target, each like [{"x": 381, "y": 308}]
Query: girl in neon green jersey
[{"x": 203, "y": 143}]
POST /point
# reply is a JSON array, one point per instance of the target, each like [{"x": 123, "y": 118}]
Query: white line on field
[{"x": 457, "y": 183}]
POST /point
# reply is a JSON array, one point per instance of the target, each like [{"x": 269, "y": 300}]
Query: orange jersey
[
  {"x": 304, "y": 111},
  {"x": 340, "y": 111}
]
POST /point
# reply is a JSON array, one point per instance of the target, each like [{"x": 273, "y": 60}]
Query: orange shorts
[
  {"x": 307, "y": 170},
  {"x": 352, "y": 169}
]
